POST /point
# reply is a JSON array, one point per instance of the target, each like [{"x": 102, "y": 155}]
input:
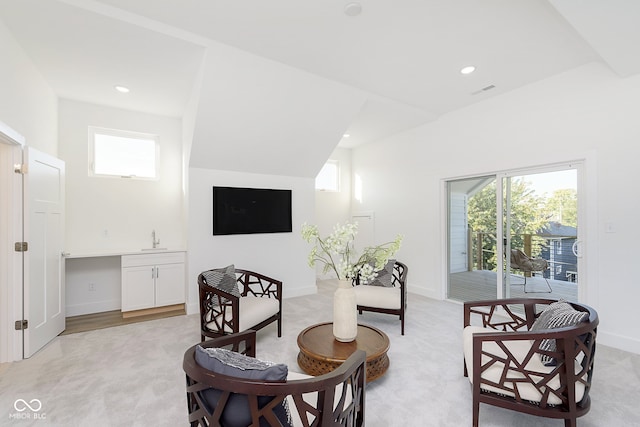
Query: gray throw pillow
[
  {"x": 385, "y": 276},
  {"x": 223, "y": 279},
  {"x": 230, "y": 363},
  {"x": 557, "y": 315}
]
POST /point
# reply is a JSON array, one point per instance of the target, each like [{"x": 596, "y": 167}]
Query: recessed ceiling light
[
  {"x": 353, "y": 9},
  {"x": 468, "y": 69},
  {"x": 346, "y": 135},
  {"x": 122, "y": 89}
]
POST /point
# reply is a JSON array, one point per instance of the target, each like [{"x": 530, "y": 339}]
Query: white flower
[{"x": 336, "y": 252}]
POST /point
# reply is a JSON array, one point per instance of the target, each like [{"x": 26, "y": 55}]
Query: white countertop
[{"x": 97, "y": 254}]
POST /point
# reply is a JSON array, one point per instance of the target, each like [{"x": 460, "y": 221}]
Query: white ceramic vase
[{"x": 345, "y": 315}]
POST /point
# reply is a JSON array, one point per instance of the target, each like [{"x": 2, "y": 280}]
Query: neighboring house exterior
[{"x": 558, "y": 250}]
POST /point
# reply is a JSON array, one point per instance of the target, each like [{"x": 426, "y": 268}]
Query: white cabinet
[{"x": 152, "y": 280}]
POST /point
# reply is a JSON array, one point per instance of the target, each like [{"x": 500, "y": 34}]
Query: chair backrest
[
  {"x": 333, "y": 399},
  {"x": 400, "y": 272},
  {"x": 520, "y": 260},
  {"x": 220, "y": 305}
]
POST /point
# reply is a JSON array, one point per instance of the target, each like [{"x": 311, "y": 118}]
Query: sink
[{"x": 154, "y": 249}]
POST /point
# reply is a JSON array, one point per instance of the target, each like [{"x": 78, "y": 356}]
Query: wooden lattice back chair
[
  {"x": 538, "y": 367},
  {"x": 252, "y": 301},
  {"x": 336, "y": 399},
  {"x": 390, "y": 299}
]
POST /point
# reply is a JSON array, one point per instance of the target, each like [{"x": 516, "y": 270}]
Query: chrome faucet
[{"x": 153, "y": 237}]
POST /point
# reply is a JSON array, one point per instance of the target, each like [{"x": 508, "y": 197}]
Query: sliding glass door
[
  {"x": 472, "y": 236},
  {"x": 514, "y": 234}
]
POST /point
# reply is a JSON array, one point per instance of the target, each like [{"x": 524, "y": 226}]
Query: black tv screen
[{"x": 251, "y": 210}]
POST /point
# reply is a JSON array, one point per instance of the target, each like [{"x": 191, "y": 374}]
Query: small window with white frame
[
  {"x": 329, "y": 177},
  {"x": 124, "y": 154}
]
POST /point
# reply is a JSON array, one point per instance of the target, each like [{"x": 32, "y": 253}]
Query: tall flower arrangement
[{"x": 337, "y": 253}]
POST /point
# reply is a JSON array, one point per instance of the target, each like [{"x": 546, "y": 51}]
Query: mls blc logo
[{"x": 27, "y": 410}]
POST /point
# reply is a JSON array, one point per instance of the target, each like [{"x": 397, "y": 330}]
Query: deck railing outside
[{"x": 482, "y": 250}]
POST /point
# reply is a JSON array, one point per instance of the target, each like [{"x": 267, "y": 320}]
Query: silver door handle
[{"x": 575, "y": 248}]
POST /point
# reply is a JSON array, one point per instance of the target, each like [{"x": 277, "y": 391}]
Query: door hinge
[
  {"x": 20, "y": 168},
  {"x": 21, "y": 247},
  {"x": 21, "y": 325}
]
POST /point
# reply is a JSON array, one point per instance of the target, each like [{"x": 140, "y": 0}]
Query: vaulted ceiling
[{"x": 272, "y": 86}]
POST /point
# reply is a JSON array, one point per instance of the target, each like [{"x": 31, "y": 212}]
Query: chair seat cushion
[
  {"x": 253, "y": 310},
  {"x": 519, "y": 348},
  {"x": 378, "y": 296}
]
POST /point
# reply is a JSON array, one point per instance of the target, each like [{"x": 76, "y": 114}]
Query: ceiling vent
[{"x": 484, "y": 89}]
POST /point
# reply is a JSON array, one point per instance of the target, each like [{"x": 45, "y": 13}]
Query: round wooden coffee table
[{"x": 321, "y": 353}]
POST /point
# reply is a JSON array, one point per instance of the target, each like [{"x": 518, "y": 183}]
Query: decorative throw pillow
[
  {"x": 557, "y": 315},
  {"x": 223, "y": 279},
  {"x": 230, "y": 363},
  {"x": 385, "y": 276}
]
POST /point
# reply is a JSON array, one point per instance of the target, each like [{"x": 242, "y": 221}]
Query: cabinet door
[
  {"x": 138, "y": 287},
  {"x": 170, "y": 284}
]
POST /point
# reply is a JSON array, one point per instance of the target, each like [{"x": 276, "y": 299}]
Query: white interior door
[
  {"x": 366, "y": 230},
  {"x": 44, "y": 296}
]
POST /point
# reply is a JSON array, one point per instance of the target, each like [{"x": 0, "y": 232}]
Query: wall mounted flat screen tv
[{"x": 251, "y": 210}]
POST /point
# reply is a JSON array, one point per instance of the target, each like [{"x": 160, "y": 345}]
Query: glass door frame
[{"x": 503, "y": 280}]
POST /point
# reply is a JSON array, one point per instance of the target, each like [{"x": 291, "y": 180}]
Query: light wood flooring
[
  {"x": 107, "y": 319},
  {"x": 481, "y": 284}
]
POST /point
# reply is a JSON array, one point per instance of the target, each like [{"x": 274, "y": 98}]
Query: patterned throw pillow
[
  {"x": 385, "y": 276},
  {"x": 557, "y": 315},
  {"x": 223, "y": 279},
  {"x": 230, "y": 363}
]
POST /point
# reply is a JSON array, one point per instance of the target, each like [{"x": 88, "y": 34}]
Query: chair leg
[
  {"x": 570, "y": 422},
  {"x": 476, "y": 413},
  {"x": 537, "y": 292}
]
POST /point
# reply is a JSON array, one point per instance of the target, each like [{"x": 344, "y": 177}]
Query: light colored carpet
[{"x": 132, "y": 375}]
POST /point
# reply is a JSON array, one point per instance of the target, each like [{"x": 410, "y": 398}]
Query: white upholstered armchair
[
  {"x": 387, "y": 294},
  {"x": 234, "y": 300}
]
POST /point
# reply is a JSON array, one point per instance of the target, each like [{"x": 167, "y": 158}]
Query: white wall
[
  {"x": 334, "y": 207},
  {"x": 588, "y": 113},
  {"x": 112, "y": 215},
  {"x": 92, "y": 285},
  {"x": 282, "y": 256},
  {"x": 27, "y": 104}
]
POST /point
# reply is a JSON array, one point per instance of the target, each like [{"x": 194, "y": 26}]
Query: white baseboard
[
  {"x": 299, "y": 292},
  {"x": 94, "y": 307},
  {"x": 618, "y": 341},
  {"x": 193, "y": 308},
  {"x": 425, "y": 292}
]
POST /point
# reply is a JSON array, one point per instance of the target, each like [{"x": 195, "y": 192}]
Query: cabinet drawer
[{"x": 152, "y": 259}]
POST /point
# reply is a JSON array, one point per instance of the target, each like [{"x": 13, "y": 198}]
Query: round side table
[{"x": 321, "y": 353}]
